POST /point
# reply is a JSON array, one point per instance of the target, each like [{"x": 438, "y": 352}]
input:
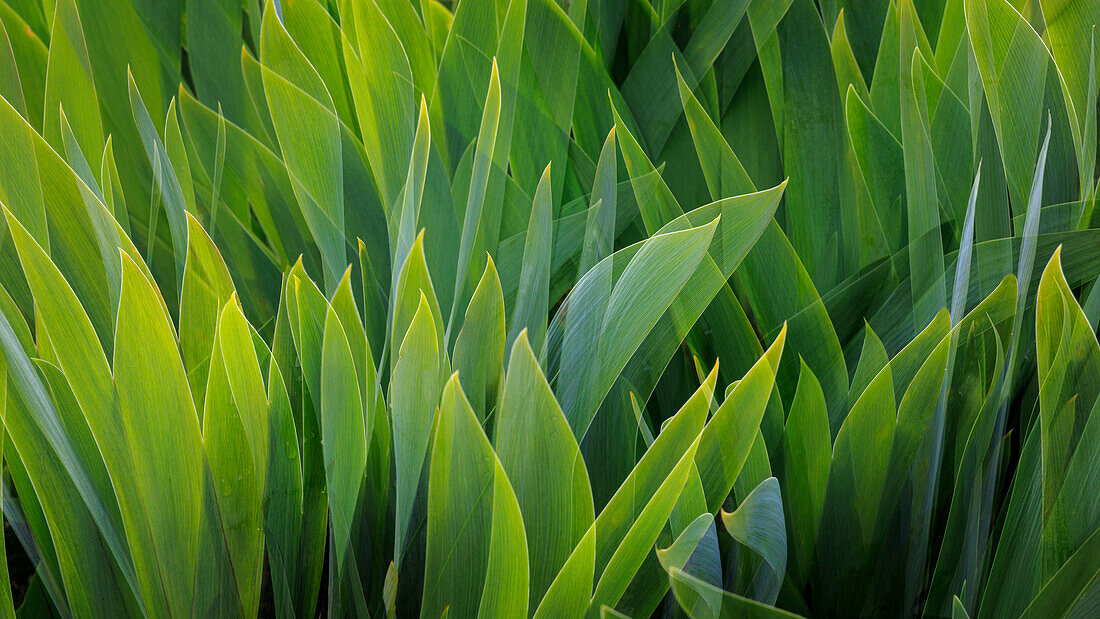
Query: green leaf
[
  {"x": 20, "y": 183},
  {"x": 599, "y": 228},
  {"x": 958, "y": 561},
  {"x": 613, "y": 321},
  {"x": 545, "y": 92},
  {"x": 704, "y": 601},
  {"x": 727, "y": 438},
  {"x": 807, "y": 451},
  {"x": 1068, "y": 360},
  {"x": 914, "y": 415},
  {"x": 1068, "y": 26},
  {"x": 381, "y": 84},
  {"x": 70, "y": 83},
  {"x": 532, "y": 298},
  {"x": 1013, "y": 63},
  {"x": 7, "y": 605},
  {"x": 1069, "y": 590},
  {"x": 633, "y": 518},
  {"x": 648, "y": 87},
  {"x": 343, "y": 434},
  {"x": 303, "y": 546},
  {"x": 219, "y": 169},
  {"x": 165, "y": 179},
  {"x": 747, "y": 216},
  {"x": 643, "y": 532},
  {"x": 307, "y": 311},
  {"x": 410, "y": 29},
  {"x": 106, "y": 235},
  {"x": 844, "y": 60},
  {"x": 922, "y": 207},
  {"x": 162, "y": 433},
  {"x": 479, "y": 180},
  {"x": 881, "y": 164},
  {"x": 464, "y": 66},
  {"x": 872, "y": 358},
  {"x": 958, "y": 611},
  {"x": 177, "y": 156},
  {"x": 309, "y": 137},
  {"x": 207, "y": 287},
  {"x": 479, "y": 349},
  {"x": 758, "y": 524},
  {"x": 856, "y": 476},
  {"x": 571, "y": 589},
  {"x": 413, "y": 283},
  {"x": 27, "y": 50},
  {"x": 476, "y": 557},
  {"x": 923, "y": 517},
  {"x": 343, "y": 305},
  {"x": 807, "y": 108},
  {"x": 93, "y": 581},
  {"x": 1013, "y": 578},
  {"x": 409, "y": 214},
  {"x": 538, "y": 452},
  {"x": 1025, "y": 266},
  {"x": 772, "y": 305},
  {"x": 216, "y": 34},
  {"x": 283, "y": 494},
  {"x": 61, "y": 314},
  {"x": 235, "y": 437},
  {"x": 797, "y": 304},
  {"x": 696, "y": 551},
  {"x": 314, "y": 30},
  {"x": 656, "y": 203},
  {"x": 724, "y": 173},
  {"x": 414, "y": 395}
]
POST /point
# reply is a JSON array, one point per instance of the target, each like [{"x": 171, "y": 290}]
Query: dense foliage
[{"x": 551, "y": 308}]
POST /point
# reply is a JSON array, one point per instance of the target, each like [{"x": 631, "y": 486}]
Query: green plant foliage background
[{"x": 550, "y": 308}]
